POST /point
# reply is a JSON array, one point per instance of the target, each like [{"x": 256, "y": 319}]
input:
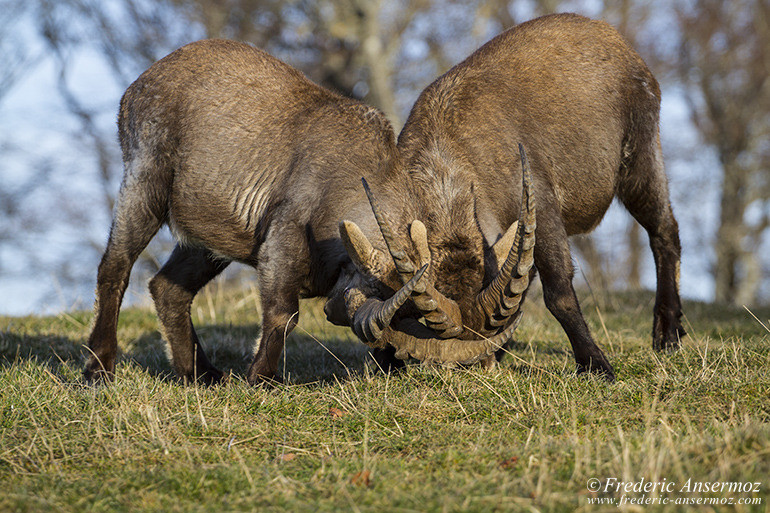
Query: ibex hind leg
[
  {"x": 173, "y": 289},
  {"x": 644, "y": 192},
  {"x": 139, "y": 214}
]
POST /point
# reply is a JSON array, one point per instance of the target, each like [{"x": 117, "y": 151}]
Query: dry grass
[{"x": 343, "y": 436}]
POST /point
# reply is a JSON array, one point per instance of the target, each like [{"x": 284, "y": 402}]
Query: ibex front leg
[
  {"x": 282, "y": 269},
  {"x": 279, "y": 317},
  {"x": 554, "y": 263}
]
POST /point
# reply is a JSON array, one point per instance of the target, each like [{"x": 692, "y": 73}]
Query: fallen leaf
[
  {"x": 362, "y": 478},
  {"x": 509, "y": 463}
]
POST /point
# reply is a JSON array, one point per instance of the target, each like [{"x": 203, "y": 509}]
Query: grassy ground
[{"x": 341, "y": 436}]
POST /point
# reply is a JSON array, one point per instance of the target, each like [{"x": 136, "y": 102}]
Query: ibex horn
[
  {"x": 357, "y": 245},
  {"x": 502, "y": 247},
  {"x": 404, "y": 265},
  {"x": 441, "y": 314},
  {"x": 502, "y": 298},
  {"x": 374, "y": 315},
  {"x": 414, "y": 339}
]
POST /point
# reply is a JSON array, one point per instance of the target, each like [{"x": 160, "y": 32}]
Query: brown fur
[
  {"x": 585, "y": 106},
  {"x": 246, "y": 160}
]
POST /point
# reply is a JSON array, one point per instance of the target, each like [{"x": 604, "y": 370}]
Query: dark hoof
[
  {"x": 600, "y": 369},
  {"x": 670, "y": 342},
  {"x": 212, "y": 377},
  {"x": 386, "y": 361},
  {"x": 265, "y": 381},
  {"x": 95, "y": 373},
  {"x": 98, "y": 377}
]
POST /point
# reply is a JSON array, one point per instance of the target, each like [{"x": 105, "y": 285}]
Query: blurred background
[{"x": 65, "y": 63}]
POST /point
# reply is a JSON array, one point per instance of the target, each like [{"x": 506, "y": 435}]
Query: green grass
[{"x": 340, "y": 435}]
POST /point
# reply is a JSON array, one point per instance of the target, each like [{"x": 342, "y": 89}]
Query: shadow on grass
[
  {"x": 329, "y": 355},
  {"x": 540, "y": 347},
  {"x": 305, "y": 359},
  {"x": 50, "y": 350},
  {"x": 60, "y": 355}
]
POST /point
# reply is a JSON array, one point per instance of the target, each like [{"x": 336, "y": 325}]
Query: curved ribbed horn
[
  {"x": 374, "y": 315},
  {"x": 441, "y": 314},
  {"x": 404, "y": 265},
  {"x": 414, "y": 339},
  {"x": 502, "y": 298}
]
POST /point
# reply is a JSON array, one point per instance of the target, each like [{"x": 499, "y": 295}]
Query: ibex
[
  {"x": 586, "y": 107},
  {"x": 247, "y": 160}
]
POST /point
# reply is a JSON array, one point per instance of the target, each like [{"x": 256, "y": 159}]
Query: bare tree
[
  {"x": 16, "y": 59},
  {"x": 347, "y": 45},
  {"x": 15, "y": 55},
  {"x": 725, "y": 60},
  {"x": 352, "y": 46}
]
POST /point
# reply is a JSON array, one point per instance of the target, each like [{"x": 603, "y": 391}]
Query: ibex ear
[
  {"x": 419, "y": 236},
  {"x": 358, "y": 246},
  {"x": 503, "y": 246}
]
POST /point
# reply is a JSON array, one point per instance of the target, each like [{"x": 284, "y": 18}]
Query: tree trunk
[
  {"x": 732, "y": 230},
  {"x": 378, "y": 62},
  {"x": 634, "y": 259}
]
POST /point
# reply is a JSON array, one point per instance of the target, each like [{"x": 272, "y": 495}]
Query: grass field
[{"x": 528, "y": 435}]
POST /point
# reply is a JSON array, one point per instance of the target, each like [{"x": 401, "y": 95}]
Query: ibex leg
[
  {"x": 282, "y": 270},
  {"x": 279, "y": 317},
  {"x": 173, "y": 289},
  {"x": 644, "y": 192},
  {"x": 554, "y": 263},
  {"x": 139, "y": 214}
]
